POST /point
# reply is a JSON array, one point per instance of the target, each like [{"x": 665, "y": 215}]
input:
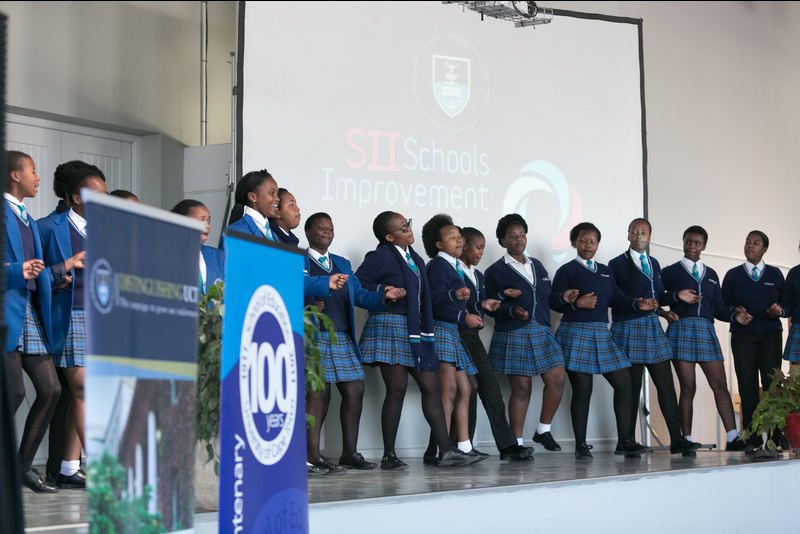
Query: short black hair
[
  {"x": 14, "y": 159},
  {"x": 314, "y": 217},
  {"x": 507, "y": 221},
  {"x": 77, "y": 175},
  {"x": 762, "y": 235},
  {"x": 696, "y": 230},
  {"x": 380, "y": 226},
  {"x": 470, "y": 234},
  {"x": 431, "y": 232},
  {"x": 641, "y": 219},
  {"x": 123, "y": 193},
  {"x": 582, "y": 227},
  {"x": 185, "y": 207}
]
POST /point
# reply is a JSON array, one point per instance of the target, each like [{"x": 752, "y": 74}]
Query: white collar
[
  {"x": 403, "y": 252},
  {"x": 689, "y": 264},
  {"x": 586, "y": 264},
  {"x": 510, "y": 260},
  {"x": 316, "y": 255},
  {"x": 450, "y": 259},
  {"x": 759, "y": 267},
  {"x": 11, "y": 198},
  {"x": 77, "y": 220},
  {"x": 260, "y": 220}
]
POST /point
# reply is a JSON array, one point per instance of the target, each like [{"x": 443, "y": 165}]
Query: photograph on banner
[
  {"x": 141, "y": 293},
  {"x": 263, "y": 480}
]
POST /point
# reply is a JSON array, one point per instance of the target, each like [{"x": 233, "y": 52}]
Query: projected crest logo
[
  {"x": 100, "y": 282},
  {"x": 544, "y": 178},
  {"x": 453, "y": 68},
  {"x": 268, "y": 376},
  {"x": 451, "y": 83}
]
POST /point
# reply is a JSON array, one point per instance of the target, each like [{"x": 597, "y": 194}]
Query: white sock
[
  {"x": 732, "y": 435},
  {"x": 542, "y": 428},
  {"x": 464, "y": 446},
  {"x": 688, "y": 438},
  {"x": 69, "y": 468},
  {"x": 520, "y": 443}
]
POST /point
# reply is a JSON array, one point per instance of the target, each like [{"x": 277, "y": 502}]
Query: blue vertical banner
[
  {"x": 141, "y": 294},
  {"x": 263, "y": 484}
]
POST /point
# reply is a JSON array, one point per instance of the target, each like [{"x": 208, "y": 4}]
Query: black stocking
[
  {"x": 667, "y": 400},
  {"x": 620, "y": 380},
  {"x": 350, "y": 414},
  {"x": 316, "y": 406},
  {"x": 432, "y": 409},
  {"x": 582, "y": 385},
  {"x": 395, "y": 378},
  {"x": 45, "y": 381}
]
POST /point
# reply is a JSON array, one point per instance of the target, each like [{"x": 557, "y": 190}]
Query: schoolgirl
[
  {"x": 65, "y": 243},
  {"x": 212, "y": 260},
  {"x": 287, "y": 220},
  {"x": 640, "y": 334},
  {"x": 341, "y": 359},
  {"x": 399, "y": 339},
  {"x": 693, "y": 337},
  {"x": 449, "y": 294},
  {"x": 27, "y": 315},
  {"x": 256, "y": 200},
  {"x": 583, "y": 290},
  {"x": 523, "y": 345},
  {"x": 488, "y": 386}
]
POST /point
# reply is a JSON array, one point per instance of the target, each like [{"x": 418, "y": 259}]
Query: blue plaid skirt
[
  {"x": 589, "y": 348},
  {"x": 340, "y": 360},
  {"x": 694, "y": 339},
  {"x": 385, "y": 339},
  {"x": 642, "y": 339},
  {"x": 32, "y": 340},
  {"x": 528, "y": 351},
  {"x": 75, "y": 348},
  {"x": 792, "y": 350},
  {"x": 450, "y": 348}
]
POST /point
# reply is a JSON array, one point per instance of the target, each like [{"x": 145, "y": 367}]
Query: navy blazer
[
  {"x": 16, "y": 299},
  {"x": 215, "y": 266},
  {"x": 57, "y": 248},
  {"x": 363, "y": 298}
]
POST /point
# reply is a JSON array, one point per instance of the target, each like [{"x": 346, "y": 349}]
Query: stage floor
[{"x": 67, "y": 510}]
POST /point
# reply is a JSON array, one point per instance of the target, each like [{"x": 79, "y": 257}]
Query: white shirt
[
  {"x": 77, "y": 221},
  {"x": 637, "y": 261},
  {"x": 689, "y": 264},
  {"x": 259, "y": 219},
  {"x": 316, "y": 256},
  {"x": 203, "y": 271},
  {"x": 759, "y": 268},
  {"x": 14, "y": 202},
  {"x": 525, "y": 269},
  {"x": 585, "y": 263},
  {"x": 470, "y": 272}
]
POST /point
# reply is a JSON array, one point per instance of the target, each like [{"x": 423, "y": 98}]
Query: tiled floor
[{"x": 68, "y": 508}]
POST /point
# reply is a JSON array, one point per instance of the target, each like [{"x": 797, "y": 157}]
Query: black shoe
[
  {"x": 393, "y": 463},
  {"x": 429, "y": 459},
  {"x": 683, "y": 445},
  {"x": 547, "y": 440},
  {"x": 314, "y": 470},
  {"x": 738, "y": 445},
  {"x": 74, "y": 481},
  {"x": 455, "y": 458},
  {"x": 356, "y": 461},
  {"x": 582, "y": 451},
  {"x": 332, "y": 468},
  {"x": 33, "y": 480},
  {"x": 50, "y": 478},
  {"x": 481, "y": 455},
  {"x": 516, "y": 452},
  {"x": 631, "y": 449}
]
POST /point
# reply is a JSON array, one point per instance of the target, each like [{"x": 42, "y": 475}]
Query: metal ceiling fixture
[{"x": 520, "y": 13}]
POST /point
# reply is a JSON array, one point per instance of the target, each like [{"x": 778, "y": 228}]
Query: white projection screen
[{"x": 423, "y": 108}]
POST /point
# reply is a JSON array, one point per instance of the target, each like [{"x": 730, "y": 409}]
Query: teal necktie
[
  {"x": 645, "y": 265},
  {"x": 589, "y": 264},
  {"x": 323, "y": 261},
  {"x": 754, "y": 276},
  {"x": 23, "y": 214},
  {"x": 459, "y": 270},
  {"x": 696, "y": 272},
  {"x": 411, "y": 263},
  {"x": 200, "y": 280}
]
